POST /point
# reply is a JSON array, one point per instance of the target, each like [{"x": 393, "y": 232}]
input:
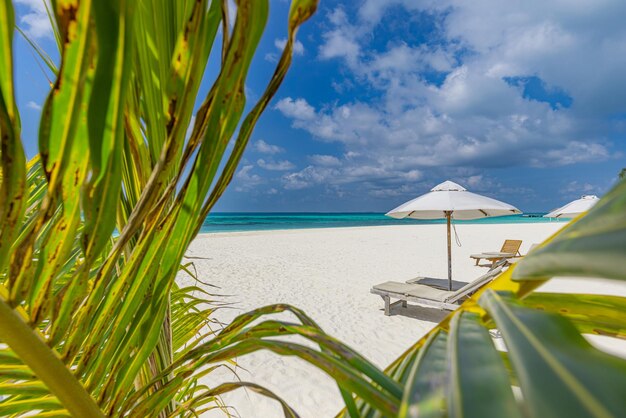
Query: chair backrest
[
  {"x": 471, "y": 287},
  {"x": 511, "y": 246}
]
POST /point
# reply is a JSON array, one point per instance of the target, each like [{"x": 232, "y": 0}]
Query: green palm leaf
[
  {"x": 547, "y": 352},
  {"x": 476, "y": 364},
  {"x": 424, "y": 392},
  {"x": 593, "y": 246}
]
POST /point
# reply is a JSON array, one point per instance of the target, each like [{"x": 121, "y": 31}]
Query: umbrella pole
[{"x": 448, "y": 216}]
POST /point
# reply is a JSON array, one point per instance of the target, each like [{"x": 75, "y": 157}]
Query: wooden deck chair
[
  {"x": 509, "y": 249},
  {"x": 519, "y": 257}
]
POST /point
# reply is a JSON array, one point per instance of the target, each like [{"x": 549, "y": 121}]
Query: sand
[{"x": 328, "y": 273}]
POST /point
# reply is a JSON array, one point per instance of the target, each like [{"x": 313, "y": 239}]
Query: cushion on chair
[
  {"x": 394, "y": 287},
  {"x": 427, "y": 292}
]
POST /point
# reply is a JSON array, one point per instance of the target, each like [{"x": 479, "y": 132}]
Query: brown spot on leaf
[
  {"x": 67, "y": 18},
  {"x": 172, "y": 113},
  {"x": 54, "y": 255}
]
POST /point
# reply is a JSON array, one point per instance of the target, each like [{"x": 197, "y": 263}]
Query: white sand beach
[{"x": 328, "y": 273}]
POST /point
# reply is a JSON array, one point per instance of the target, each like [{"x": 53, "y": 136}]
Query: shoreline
[{"x": 561, "y": 222}]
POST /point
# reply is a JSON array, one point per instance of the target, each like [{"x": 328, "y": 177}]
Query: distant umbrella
[
  {"x": 449, "y": 200},
  {"x": 574, "y": 208}
]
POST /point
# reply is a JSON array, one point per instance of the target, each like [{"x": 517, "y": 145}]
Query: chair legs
[
  {"x": 389, "y": 305},
  {"x": 387, "y": 300}
]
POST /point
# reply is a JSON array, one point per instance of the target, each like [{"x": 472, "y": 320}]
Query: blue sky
[{"x": 524, "y": 101}]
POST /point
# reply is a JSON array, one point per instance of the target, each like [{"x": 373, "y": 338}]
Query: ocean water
[{"x": 251, "y": 221}]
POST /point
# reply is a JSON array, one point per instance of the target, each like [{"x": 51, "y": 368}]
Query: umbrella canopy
[
  {"x": 451, "y": 197},
  {"x": 574, "y": 208},
  {"x": 451, "y": 201}
]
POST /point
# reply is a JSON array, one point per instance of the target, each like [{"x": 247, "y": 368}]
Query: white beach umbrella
[
  {"x": 574, "y": 208},
  {"x": 451, "y": 201}
]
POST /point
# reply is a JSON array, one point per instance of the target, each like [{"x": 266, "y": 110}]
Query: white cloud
[
  {"x": 275, "y": 165},
  {"x": 412, "y": 175},
  {"x": 372, "y": 10},
  {"x": 298, "y": 109},
  {"x": 279, "y": 43},
  {"x": 562, "y": 42},
  {"x": 35, "y": 21},
  {"x": 577, "y": 189},
  {"x": 308, "y": 177},
  {"x": 298, "y": 48},
  {"x": 251, "y": 95},
  {"x": 578, "y": 152},
  {"x": 33, "y": 105},
  {"x": 325, "y": 160},
  {"x": 246, "y": 180},
  {"x": 416, "y": 127},
  {"x": 474, "y": 181},
  {"x": 271, "y": 57},
  {"x": 265, "y": 148},
  {"x": 342, "y": 41},
  {"x": 571, "y": 190},
  {"x": 376, "y": 180},
  {"x": 419, "y": 137}
]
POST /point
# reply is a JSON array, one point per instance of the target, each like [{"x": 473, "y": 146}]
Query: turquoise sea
[{"x": 251, "y": 221}]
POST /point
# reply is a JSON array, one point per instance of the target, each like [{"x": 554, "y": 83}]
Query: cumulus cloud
[
  {"x": 447, "y": 106},
  {"x": 279, "y": 43},
  {"x": 578, "y": 152},
  {"x": 359, "y": 179},
  {"x": 246, "y": 180},
  {"x": 419, "y": 137},
  {"x": 575, "y": 189},
  {"x": 271, "y": 57},
  {"x": 298, "y": 48},
  {"x": 308, "y": 177},
  {"x": 265, "y": 148},
  {"x": 342, "y": 41},
  {"x": 33, "y": 105},
  {"x": 283, "y": 165},
  {"x": 325, "y": 160},
  {"x": 298, "y": 109},
  {"x": 35, "y": 21}
]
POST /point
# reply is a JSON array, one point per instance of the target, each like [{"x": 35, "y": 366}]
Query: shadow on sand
[{"x": 420, "y": 312}]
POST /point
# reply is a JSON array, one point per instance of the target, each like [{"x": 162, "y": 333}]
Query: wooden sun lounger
[
  {"x": 515, "y": 259},
  {"x": 509, "y": 249},
  {"x": 430, "y": 296}
]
